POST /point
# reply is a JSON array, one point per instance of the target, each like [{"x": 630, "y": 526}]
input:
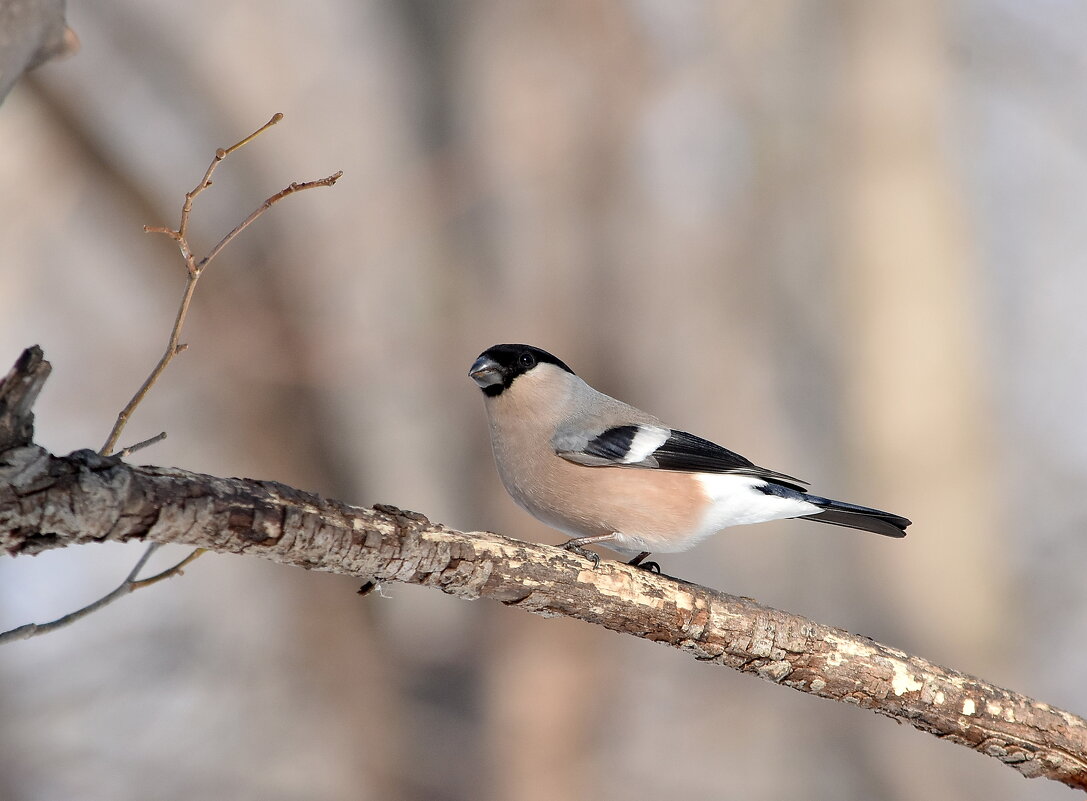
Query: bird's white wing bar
[
  {"x": 646, "y": 441},
  {"x": 616, "y": 446}
]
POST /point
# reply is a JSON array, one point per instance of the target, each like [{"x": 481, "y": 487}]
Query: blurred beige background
[{"x": 843, "y": 238}]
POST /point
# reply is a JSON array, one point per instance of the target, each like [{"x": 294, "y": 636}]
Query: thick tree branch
[{"x": 49, "y": 502}]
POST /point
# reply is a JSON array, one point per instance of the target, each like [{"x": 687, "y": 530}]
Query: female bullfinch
[{"x": 604, "y": 472}]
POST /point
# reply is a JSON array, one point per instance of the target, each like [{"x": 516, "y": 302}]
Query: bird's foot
[{"x": 575, "y": 546}]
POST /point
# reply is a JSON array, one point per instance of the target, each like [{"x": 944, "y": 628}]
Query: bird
[{"x": 606, "y": 473}]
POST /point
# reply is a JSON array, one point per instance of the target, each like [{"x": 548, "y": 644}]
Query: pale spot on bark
[{"x": 903, "y": 681}]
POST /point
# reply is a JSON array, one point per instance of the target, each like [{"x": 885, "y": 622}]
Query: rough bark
[
  {"x": 18, "y": 392},
  {"x": 49, "y": 501}
]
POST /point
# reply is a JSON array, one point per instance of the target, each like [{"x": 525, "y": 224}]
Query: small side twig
[
  {"x": 194, "y": 268},
  {"x": 130, "y": 584},
  {"x": 124, "y": 453},
  {"x": 267, "y": 204}
]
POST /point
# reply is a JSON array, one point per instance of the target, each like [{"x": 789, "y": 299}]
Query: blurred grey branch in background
[{"x": 31, "y": 33}]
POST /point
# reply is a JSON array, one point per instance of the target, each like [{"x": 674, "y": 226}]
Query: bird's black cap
[{"x": 498, "y": 366}]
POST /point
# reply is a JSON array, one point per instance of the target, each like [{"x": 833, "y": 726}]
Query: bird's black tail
[{"x": 839, "y": 513}]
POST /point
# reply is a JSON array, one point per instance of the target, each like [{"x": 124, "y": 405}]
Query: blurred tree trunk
[
  {"x": 545, "y": 136},
  {"x": 912, "y": 356}
]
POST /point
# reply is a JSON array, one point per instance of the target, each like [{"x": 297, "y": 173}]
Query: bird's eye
[{"x": 527, "y": 360}]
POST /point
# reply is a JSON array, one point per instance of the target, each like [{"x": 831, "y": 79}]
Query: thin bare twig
[
  {"x": 124, "y": 453},
  {"x": 130, "y": 584},
  {"x": 170, "y": 571},
  {"x": 194, "y": 268},
  {"x": 174, "y": 346},
  {"x": 267, "y": 204}
]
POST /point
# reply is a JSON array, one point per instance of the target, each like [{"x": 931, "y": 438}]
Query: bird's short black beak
[{"x": 485, "y": 371}]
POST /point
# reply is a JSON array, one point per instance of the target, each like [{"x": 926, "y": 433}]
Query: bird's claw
[
  {"x": 573, "y": 546},
  {"x": 652, "y": 567}
]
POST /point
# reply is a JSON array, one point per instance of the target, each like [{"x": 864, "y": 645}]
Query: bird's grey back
[{"x": 591, "y": 413}]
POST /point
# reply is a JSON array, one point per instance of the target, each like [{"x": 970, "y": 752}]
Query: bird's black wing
[
  {"x": 623, "y": 446},
  {"x": 688, "y": 453}
]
